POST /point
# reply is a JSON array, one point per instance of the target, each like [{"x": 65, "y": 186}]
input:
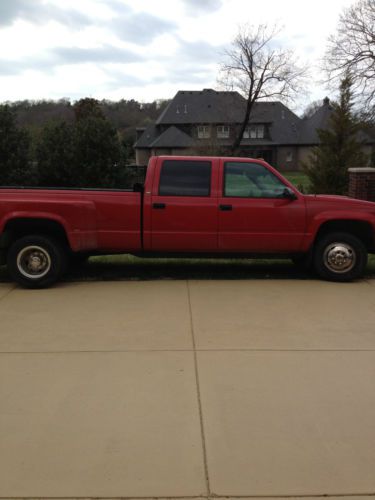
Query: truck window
[
  {"x": 185, "y": 178},
  {"x": 250, "y": 180}
]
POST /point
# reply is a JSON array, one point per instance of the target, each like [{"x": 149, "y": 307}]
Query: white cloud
[{"x": 144, "y": 49}]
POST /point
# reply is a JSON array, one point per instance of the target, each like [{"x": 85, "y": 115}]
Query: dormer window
[
  {"x": 222, "y": 132},
  {"x": 204, "y": 132},
  {"x": 254, "y": 132}
]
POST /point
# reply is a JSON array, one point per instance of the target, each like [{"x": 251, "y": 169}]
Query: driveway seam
[
  {"x": 6, "y": 295},
  {"x": 204, "y": 449},
  {"x": 123, "y": 351},
  {"x": 208, "y": 497}
]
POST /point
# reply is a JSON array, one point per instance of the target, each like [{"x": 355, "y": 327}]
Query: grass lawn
[
  {"x": 127, "y": 267},
  {"x": 298, "y": 179}
]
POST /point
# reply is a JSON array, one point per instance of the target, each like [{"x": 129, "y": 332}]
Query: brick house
[{"x": 205, "y": 123}]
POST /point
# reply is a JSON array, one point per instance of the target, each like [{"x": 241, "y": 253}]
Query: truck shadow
[
  {"x": 120, "y": 268},
  {"x": 125, "y": 267}
]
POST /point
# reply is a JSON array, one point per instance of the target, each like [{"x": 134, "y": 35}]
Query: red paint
[{"x": 110, "y": 221}]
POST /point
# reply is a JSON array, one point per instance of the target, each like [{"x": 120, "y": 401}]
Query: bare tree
[
  {"x": 352, "y": 49},
  {"x": 260, "y": 70}
]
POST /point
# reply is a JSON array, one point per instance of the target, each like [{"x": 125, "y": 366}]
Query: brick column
[{"x": 362, "y": 183}]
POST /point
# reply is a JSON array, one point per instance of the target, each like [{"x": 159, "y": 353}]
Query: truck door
[
  {"x": 184, "y": 215},
  {"x": 254, "y": 214}
]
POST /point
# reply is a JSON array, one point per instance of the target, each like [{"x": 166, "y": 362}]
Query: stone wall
[{"x": 362, "y": 183}]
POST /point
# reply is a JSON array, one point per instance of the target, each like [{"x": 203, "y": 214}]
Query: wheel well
[
  {"x": 17, "y": 228},
  {"x": 361, "y": 229}
]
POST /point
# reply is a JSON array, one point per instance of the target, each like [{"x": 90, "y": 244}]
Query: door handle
[
  {"x": 225, "y": 208},
  {"x": 159, "y": 206}
]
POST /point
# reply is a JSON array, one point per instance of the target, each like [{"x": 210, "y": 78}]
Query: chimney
[{"x": 139, "y": 132}]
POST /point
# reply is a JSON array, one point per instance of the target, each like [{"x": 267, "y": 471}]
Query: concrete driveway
[{"x": 188, "y": 389}]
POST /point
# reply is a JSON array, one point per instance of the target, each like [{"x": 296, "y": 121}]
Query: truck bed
[{"x": 92, "y": 218}]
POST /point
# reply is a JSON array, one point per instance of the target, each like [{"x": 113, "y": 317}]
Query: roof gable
[
  {"x": 148, "y": 136},
  {"x": 319, "y": 120},
  {"x": 172, "y": 137}
]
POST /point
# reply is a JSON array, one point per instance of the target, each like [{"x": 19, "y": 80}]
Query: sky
[{"x": 145, "y": 49}]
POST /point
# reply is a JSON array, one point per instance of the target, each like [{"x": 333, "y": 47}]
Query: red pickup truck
[{"x": 188, "y": 206}]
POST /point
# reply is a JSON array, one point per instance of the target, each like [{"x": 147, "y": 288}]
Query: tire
[
  {"x": 36, "y": 261},
  {"x": 340, "y": 257}
]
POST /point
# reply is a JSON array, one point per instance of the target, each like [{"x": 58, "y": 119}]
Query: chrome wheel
[
  {"x": 339, "y": 257},
  {"x": 33, "y": 262}
]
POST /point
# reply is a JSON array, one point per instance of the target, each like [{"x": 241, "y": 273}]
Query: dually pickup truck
[{"x": 188, "y": 206}]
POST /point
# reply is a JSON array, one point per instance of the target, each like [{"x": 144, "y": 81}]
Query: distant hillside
[{"x": 125, "y": 116}]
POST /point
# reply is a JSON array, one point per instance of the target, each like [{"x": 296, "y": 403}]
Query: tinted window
[
  {"x": 185, "y": 178},
  {"x": 251, "y": 180}
]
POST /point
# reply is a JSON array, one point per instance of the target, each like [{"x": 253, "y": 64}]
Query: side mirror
[{"x": 289, "y": 194}]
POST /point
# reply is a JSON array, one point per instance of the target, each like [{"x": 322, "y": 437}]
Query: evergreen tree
[
  {"x": 15, "y": 167},
  {"x": 98, "y": 152},
  {"x": 86, "y": 153},
  {"x": 339, "y": 148},
  {"x": 56, "y": 156}
]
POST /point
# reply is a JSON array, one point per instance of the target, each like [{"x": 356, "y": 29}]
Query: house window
[
  {"x": 289, "y": 156},
  {"x": 222, "y": 132},
  {"x": 254, "y": 132},
  {"x": 204, "y": 132}
]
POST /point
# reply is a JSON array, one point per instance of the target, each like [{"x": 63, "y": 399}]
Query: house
[
  {"x": 206, "y": 123},
  {"x": 320, "y": 120}
]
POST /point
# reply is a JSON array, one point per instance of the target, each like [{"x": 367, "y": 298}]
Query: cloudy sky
[{"x": 143, "y": 49}]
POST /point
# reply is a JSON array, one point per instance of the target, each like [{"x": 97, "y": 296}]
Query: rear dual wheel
[{"x": 36, "y": 261}]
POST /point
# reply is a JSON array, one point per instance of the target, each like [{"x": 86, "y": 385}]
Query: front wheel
[
  {"x": 340, "y": 257},
  {"x": 36, "y": 261}
]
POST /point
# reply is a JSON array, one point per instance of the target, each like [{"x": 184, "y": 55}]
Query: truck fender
[
  {"x": 332, "y": 216},
  {"x": 78, "y": 239}
]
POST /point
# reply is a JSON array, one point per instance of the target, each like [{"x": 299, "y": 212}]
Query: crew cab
[{"x": 188, "y": 206}]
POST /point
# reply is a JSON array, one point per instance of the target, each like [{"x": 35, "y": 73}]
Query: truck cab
[{"x": 232, "y": 205}]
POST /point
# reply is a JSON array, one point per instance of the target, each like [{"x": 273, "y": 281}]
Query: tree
[
  {"x": 56, "y": 155},
  {"x": 98, "y": 153},
  {"x": 15, "y": 167},
  {"x": 352, "y": 49},
  {"x": 259, "y": 70},
  {"x": 86, "y": 153},
  {"x": 87, "y": 108},
  {"x": 311, "y": 109},
  {"x": 339, "y": 147}
]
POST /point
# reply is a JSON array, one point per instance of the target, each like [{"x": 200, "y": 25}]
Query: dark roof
[
  {"x": 149, "y": 135},
  {"x": 320, "y": 119},
  {"x": 172, "y": 137},
  {"x": 284, "y": 124},
  {"x": 206, "y": 106}
]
